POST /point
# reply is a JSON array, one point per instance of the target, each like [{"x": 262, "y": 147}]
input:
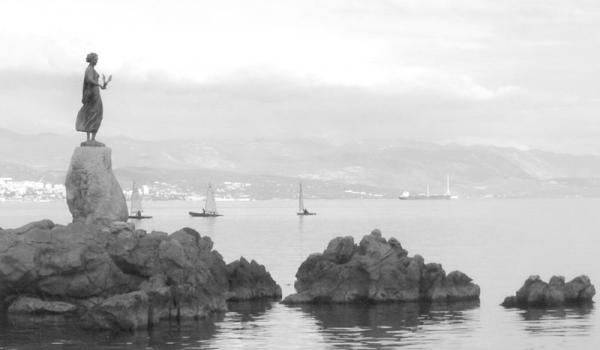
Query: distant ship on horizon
[{"x": 428, "y": 196}]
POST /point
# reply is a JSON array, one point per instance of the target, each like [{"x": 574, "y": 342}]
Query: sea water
[{"x": 498, "y": 243}]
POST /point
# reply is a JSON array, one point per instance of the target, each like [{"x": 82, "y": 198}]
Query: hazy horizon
[
  {"x": 388, "y": 142},
  {"x": 508, "y": 74}
]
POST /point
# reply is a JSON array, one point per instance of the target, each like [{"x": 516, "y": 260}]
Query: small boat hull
[
  {"x": 203, "y": 215},
  {"x": 306, "y": 214},
  {"x": 424, "y": 198},
  {"x": 140, "y": 217}
]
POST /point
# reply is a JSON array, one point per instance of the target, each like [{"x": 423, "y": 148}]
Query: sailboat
[
  {"x": 135, "y": 209},
  {"x": 210, "y": 206},
  {"x": 301, "y": 209}
]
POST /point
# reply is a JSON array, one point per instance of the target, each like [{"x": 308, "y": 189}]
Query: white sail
[
  {"x": 300, "y": 200},
  {"x": 136, "y": 200},
  {"x": 210, "y": 206}
]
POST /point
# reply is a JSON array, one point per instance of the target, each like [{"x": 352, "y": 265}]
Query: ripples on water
[{"x": 498, "y": 243}]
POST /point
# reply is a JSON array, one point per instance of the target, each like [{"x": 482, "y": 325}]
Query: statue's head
[{"x": 92, "y": 57}]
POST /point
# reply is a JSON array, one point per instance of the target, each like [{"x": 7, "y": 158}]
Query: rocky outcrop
[
  {"x": 536, "y": 292},
  {"x": 42, "y": 224},
  {"x": 375, "y": 270},
  {"x": 249, "y": 281},
  {"x": 116, "y": 277},
  {"x": 94, "y": 195}
]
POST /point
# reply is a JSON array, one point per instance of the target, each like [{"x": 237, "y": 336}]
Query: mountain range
[{"x": 272, "y": 168}]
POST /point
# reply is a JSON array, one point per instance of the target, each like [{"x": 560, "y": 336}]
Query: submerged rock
[
  {"x": 536, "y": 292},
  {"x": 375, "y": 270},
  {"x": 94, "y": 195},
  {"x": 117, "y": 277}
]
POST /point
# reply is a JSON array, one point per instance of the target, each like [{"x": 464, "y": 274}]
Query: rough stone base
[{"x": 94, "y": 195}]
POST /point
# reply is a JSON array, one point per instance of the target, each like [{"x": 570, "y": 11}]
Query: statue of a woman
[{"x": 89, "y": 117}]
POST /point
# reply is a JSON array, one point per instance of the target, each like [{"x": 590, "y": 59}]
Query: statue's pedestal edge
[{"x": 92, "y": 144}]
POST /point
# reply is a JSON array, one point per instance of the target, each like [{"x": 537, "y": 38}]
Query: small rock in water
[
  {"x": 375, "y": 270},
  {"x": 536, "y": 292}
]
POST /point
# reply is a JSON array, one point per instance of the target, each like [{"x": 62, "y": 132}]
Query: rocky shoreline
[
  {"x": 116, "y": 277},
  {"x": 103, "y": 273}
]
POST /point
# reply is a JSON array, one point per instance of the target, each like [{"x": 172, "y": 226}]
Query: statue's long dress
[{"x": 89, "y": 117}]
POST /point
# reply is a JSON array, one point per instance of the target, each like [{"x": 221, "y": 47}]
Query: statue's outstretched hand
[{"x": 105, "y": 81}]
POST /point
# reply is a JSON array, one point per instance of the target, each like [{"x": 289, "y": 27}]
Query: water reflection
[
  {"x": 575, "y": 320},
  {"x": 248, "y": 311},
  {"x": 301, "y": 224},
  {"x": 244, "y": 322},
  {"x": 29, "y": 332},
  {"x": 393, "y": 325},
  {"x": 178, "y": 336}
]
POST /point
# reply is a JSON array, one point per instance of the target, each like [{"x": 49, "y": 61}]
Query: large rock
[
  {"x": 536, "y": 292},
  {"x": 93, "y": 193},
  {"x": 375, "y": 270},
  {"x": 117, "y": 277}
]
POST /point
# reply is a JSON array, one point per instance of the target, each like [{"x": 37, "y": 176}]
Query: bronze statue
[{"x": 89, "y": 117}]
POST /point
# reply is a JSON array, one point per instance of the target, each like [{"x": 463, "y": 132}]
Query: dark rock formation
[
  {"x": 249, "y": 281},
  {"x": 117, "y": 277},
  {"x": 94, "y": 195},
  {"x": 536, "y": 292},
  {"x": 375, "y": 270}
]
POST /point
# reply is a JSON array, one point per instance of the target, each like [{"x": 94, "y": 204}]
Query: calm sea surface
[{"x": 498, "y": 243}]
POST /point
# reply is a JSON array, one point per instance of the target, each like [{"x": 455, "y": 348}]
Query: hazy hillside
[{"x": 274, "y": 167}]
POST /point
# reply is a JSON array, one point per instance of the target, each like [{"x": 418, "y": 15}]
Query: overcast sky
[{"x": 510, "y": 73}]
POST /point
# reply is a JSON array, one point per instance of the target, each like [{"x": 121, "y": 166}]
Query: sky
[{"x": 509, "y": 73}]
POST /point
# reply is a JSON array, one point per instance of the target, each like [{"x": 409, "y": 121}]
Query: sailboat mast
[
  {"x": 208, "y": 190},
  {"x": 210, "y": 206},
  {"x": 131, "y": 199},
  {"x": 136, "y": 200},
  {"x": 448, "y": 184},
  {"x": 300, "y": 199},
  {"x": 132, "y": 193}
]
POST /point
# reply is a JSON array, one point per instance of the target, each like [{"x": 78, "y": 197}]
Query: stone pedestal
[{"x": 93, "y": 194}]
